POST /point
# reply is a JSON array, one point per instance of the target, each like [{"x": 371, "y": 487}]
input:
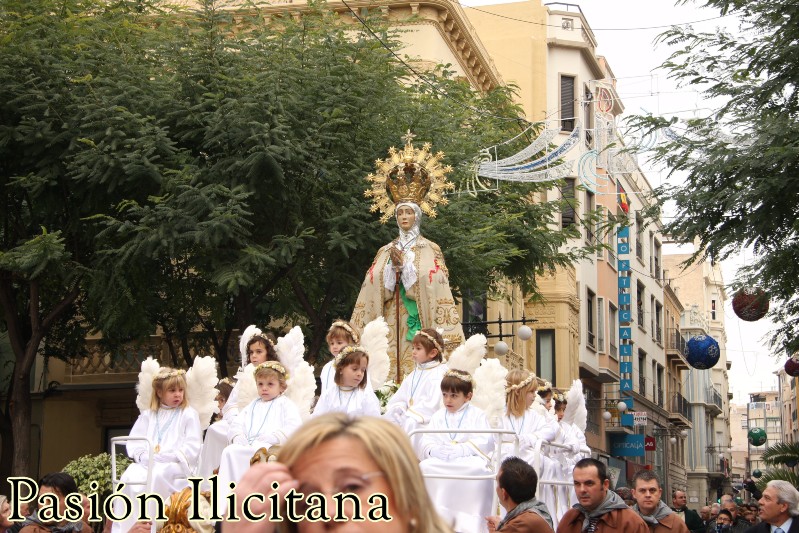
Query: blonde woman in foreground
[{"x": 364, "y": 459}]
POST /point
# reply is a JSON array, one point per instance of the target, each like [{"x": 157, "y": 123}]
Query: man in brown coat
[
  {"x": 516, "y": 484},
  {"x": 599, "y": 510},
  {"x": 61, "y": 485},
  {"x": 658, "y": 516}
]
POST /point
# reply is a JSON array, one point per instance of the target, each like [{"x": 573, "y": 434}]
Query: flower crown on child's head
[
  {"x": 274, "y": 365},
  {"x": 343, "y": 325},
  {"x": 463, "y": 377},
  {"x": 432, "y": 339},
  {"x": 559, "y": 397},
  {"x": 169, "y": 373},
  {"x": 260, "y": 334},
  {"x": 520, "y": 385},
  {"x": 345, "y": 352},
  {"x": 228, "y": 381},
  {"x": 547, "y": 386}
]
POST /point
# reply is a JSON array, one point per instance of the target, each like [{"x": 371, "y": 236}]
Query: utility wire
[{"x": 595, "y": 29}]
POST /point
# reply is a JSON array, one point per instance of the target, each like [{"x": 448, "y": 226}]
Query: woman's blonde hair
[
  {"x": 516, "y": 399},
  {"x": 168, "y": 378},
  {"x": 389, "y": 447}
]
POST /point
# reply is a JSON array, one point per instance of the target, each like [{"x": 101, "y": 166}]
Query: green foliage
[
  {"x": 776, "y": 457},
  {"x": 740, "y": 162},
  {"x": 194, "y": 179},
  {"x": 91, "y": 469}
]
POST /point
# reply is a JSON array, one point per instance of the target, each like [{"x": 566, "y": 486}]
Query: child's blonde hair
[
  {"x": 343, "y": 330},
  {"x": 168, "y": 378},
  {"x": 350, "y": 356},
  {"x": 519, "y": 383},
  {"x": 272, "y": 369}
]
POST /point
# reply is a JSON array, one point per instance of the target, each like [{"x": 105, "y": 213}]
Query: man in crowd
[
  {"x": 779, "y": 509},
  {"x": 516, "y": 484},
  {"x": 679, "y": 502},
  {"x": 599, "y": 510},
  {"x": 657, "y": 515},
  {"x": 61, "y": 485},
  {"x": 739, "y": 525}
]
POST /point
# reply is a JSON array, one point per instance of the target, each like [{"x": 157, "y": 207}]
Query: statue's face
[{"x": 405, "y": 217}]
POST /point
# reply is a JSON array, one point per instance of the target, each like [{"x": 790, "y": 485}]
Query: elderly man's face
[
  {"x": 732, "y": 508},
  {"x": 704, "y": 512}
]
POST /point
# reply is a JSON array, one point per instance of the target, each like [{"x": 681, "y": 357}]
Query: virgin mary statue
[{"x": 408, "y": 281}]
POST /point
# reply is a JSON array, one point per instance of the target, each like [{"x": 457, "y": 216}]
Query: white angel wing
[
  {"x": 291, "y": 348},
  {"x": 302, "y": 388},
  {"x": 246, "y": 335},
  {"x": 375, "y": 341},
  {"x": 489, "y": 392},
  {"x": 468, "y": 355},
  {"x": 247, "y": 389},
  {"x": 149, "y": 369},
  {"x": 576, "y": 412},
  {"x": 200, "y": 382}
]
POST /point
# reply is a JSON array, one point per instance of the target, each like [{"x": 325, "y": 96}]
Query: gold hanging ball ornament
[{"x": 409, "y": 175}]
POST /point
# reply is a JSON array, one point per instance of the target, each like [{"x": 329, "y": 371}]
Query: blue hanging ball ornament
[
  {"x": 757, "y": 436},
  {"x": 792, "y": 463},
  {"x": 702, "y": 352},
  {"x": 757, "y": 474}
]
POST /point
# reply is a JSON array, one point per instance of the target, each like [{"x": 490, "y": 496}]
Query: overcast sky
[{"x": 635, "y": 59}]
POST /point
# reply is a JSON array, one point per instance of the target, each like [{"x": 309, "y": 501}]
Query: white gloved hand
[
  {"x": 439, "y": 452},
  {"x": 143, "y": 458},
  {"x": 457, "y": 451},
  {"x": 165, "y": 458}
]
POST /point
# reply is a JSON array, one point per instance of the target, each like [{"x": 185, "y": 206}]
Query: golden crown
[{"x": 409, "y": 175}]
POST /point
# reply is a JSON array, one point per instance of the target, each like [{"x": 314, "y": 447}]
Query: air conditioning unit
[{"x": 567, "y": 24}]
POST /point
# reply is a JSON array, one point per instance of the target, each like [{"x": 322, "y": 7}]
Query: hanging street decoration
[
  {"x": 750, "y": 303},
  {"x": 756, "y": 473},
  {"x": 757, "y": 436},
  {"x": 702, "y": 352},
  {"x": 792, "y": 366}
]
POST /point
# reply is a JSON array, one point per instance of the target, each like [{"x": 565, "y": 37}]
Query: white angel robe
[
  {"x": 354, "y": 402},
  {"x": 417, "y": 399},
  {"x": 216, "y": 440},
  {"x": 176, "y": 435},
  {"x": 531, "y": 428},
  {"x": 326, "y": 378},
  {"x": 259, "y": 425},
  {"x": 462, "y": 503},
  {"x": 574, "y": 438}
]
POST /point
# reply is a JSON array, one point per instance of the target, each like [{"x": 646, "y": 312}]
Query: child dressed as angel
[
  {"x": 174, "y": 432},
  {"x": 464, "y": 503},
  {"x": 265, "y": 424}
]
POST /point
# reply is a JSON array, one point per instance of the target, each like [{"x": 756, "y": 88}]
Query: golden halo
[{"x": 409, "y": 175}]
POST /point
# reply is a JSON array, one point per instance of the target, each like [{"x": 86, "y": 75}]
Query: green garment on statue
[{"x": 414, "y": 325}]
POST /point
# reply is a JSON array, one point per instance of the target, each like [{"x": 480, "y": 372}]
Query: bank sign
[{"x": 627, "y": 446}]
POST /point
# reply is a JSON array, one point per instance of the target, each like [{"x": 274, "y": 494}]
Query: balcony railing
[
  {"x": 659, "y": 334},
  {"x": 681, "y": 406},
  {"x": 714, "y": 396},
  {"x": 641, "y": 316},
  {"x": 659, "y": 397},
  {"x": 676, "y": 341},
  {"x": 643, "y": 386}
]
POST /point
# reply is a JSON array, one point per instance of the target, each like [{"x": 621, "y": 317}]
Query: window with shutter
[{"x": 567, "y": 113}]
